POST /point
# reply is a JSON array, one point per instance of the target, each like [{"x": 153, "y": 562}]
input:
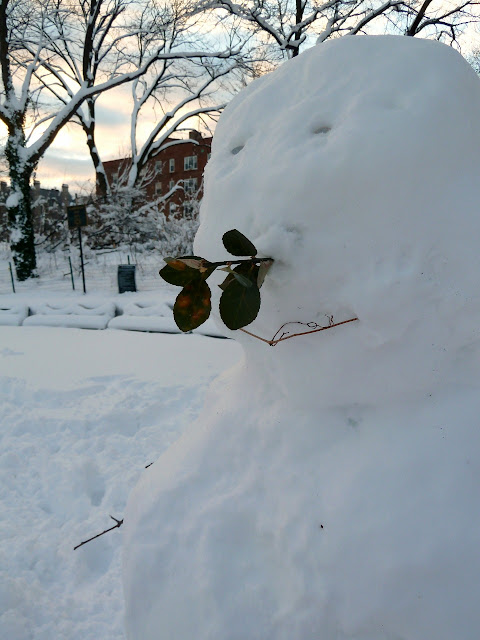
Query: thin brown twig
[
  {"x": 286, "y": 336},
  {"x": 257, "y": 337},
  {"x": 116, "y": 526}
]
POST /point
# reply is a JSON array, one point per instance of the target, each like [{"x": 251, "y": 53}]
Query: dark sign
[
  {"x": 126, "y": 278},
  {"x": 77, "y": 216}
]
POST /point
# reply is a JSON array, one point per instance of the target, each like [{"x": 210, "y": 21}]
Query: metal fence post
[{"x": 11, "y": 276}]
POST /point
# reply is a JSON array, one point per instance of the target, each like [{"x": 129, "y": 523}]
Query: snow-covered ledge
[
  {"x": 329, "y": 489},
  {"x": 77, "y": 315}
]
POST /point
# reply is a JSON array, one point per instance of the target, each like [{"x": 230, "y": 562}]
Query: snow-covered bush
[
  {"x": 126, "y": 217},
  {"x": 49, "y": 223},
  {"x": 129, "y": 216}
]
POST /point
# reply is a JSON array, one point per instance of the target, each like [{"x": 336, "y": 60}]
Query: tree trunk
[
  {"x": 101, "y": 183},
  {"x": 19, "y": 206},
  {"x": 299, "y": 9}
]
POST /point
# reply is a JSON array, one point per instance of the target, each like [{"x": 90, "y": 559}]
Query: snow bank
[
  {"x": 76, "y": 315},
  {"x": 156, "y": 317},
  {"x": 145, "y": 316},
  {"x": 330, "y": 486},
  {"x": 81, "y": 414},
  {"x": 12, "y": 315}
]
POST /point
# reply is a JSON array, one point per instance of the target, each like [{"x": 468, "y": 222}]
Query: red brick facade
[{"x": 183, "y": 162}]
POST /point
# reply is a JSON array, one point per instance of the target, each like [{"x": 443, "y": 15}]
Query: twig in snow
[
  {"x": 285, "y": 335},
  {"x": 115, "y": 526}
]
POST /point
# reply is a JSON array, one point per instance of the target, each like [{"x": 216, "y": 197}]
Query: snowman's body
[{"x": 329, "y": 489}]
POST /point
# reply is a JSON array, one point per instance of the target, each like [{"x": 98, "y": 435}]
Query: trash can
[{"x": 126, "y": 278}]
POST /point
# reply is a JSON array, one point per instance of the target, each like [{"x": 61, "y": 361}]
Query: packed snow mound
[
  {"x": 329, "y": 487},
  {"x": 355, "y": 168}
]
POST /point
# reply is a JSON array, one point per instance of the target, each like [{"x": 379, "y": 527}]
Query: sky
[{"x": 68, "y": 161}]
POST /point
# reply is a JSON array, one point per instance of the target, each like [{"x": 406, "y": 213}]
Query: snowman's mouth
[{"x": 297, "y": 329}]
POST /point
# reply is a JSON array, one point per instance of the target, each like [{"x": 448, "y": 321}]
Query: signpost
[
  {"x": 77, "y": 218},
  {"x": 126, "y": 278}
]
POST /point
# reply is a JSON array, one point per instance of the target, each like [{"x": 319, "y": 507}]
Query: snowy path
[{"x": 82, "y": 413}]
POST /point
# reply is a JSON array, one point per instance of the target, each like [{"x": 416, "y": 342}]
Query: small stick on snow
[{"x": 115, "y": 526}]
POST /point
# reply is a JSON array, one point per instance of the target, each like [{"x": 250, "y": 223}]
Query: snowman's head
[{"x": 355, "y": 167}]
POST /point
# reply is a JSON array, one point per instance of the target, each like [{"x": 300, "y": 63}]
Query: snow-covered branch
[{"x": 285, "y": 25}]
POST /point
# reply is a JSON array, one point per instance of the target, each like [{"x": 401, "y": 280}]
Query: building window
[
  {"x": 171, "y": 184},
  {"x": 158, "y": 188},
  {"x": 158, "y": 166},
  {"x": 190, "y": 163},
  {"x": 115, "y": 177},
  {"x": 190, "y": 185},
  {"x": 188, "y": 209},
  {"x": 171, "y": 165}
]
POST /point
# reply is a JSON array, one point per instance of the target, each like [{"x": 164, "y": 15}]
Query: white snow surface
[
  {"x": 81, "y": 414},
  {"x": 329, "y": 488},
  {"x": 76, "y": 315},
  {"x": 12, "y": 314}
]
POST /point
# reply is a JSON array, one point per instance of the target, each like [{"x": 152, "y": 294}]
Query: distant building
[
  {"x": 181, "y": 163},
  {"x": 48, "y": 208},
  {"x": 43, "y": 199}
]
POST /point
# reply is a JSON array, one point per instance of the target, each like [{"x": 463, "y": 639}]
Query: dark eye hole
[
  {"x": 236, "y": 150},
  {"x": 323, "y": 129}
]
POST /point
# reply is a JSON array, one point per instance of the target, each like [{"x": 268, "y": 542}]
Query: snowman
[{"x": 329, "y": 489}]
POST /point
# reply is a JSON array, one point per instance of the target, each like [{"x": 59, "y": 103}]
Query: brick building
[{"x": 182, "y": 163}]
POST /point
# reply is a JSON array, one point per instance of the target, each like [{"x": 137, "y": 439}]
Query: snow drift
[{"x": 329, "y": 488}]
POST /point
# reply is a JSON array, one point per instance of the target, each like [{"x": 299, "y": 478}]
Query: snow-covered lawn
[{"x": 82, "y": 413}]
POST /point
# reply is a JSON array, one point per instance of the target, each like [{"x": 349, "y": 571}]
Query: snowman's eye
[
  {"x": 324, "y": 129},
  {"x": 236, "y": 150}
]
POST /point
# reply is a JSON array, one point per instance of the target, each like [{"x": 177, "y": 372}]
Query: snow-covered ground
[{"x": 82, "y": 413}]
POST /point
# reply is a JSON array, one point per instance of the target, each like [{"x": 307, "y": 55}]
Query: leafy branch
[{"x": 240, "y": 299}]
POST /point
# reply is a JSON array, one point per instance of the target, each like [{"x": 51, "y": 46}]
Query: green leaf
[
  {"x": 193, "y": 263},
  {"x": 192, "y": 306},
  {"x": 181, "y": 261},
  {"x": 206, "y": 271},
  {"x": 262, "y": 271},
  {"x": 180, "y": 276},
  {"x": 227, "y": 281},
  {"x": 239, "y": 305},
  {"x": 237, "y": 244},
  {"x": 245, "y": 282},
  {"x": 248, "y": 270},
  {"x": 246, "y": 274},
  {"x": 185, "y": 270}
]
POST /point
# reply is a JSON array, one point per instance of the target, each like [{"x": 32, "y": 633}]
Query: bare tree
[
  {"x": 42, "y": 47},
  {"x": 115, "y": 35},
  {"x": 176, "y": 89},
  {"x": 284, "y": 26}
]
